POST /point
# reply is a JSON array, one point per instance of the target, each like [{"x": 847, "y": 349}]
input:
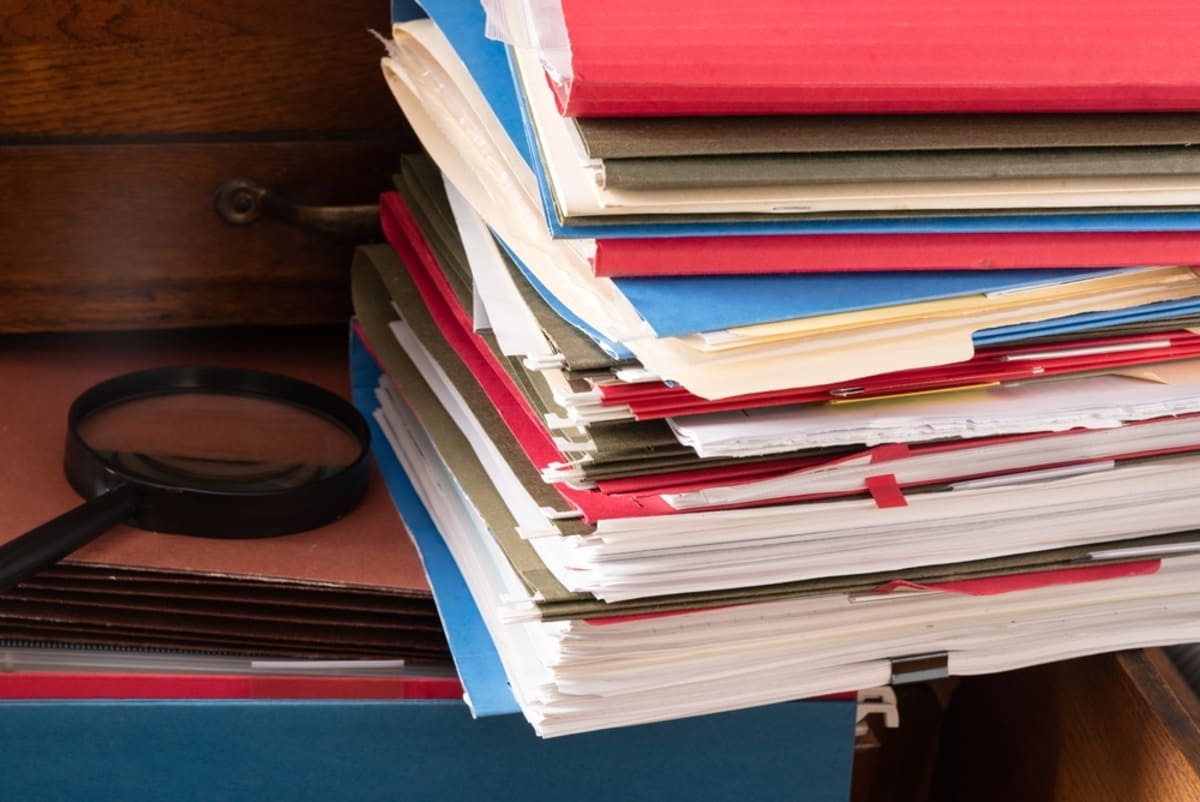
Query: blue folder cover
[
  {"x": 324, "y": 751},
  {"x": 1087, "y": 321},
  {"x": 475, "y": 656},
  {"x": 674, "y": 306},
  {"x": 463, "y": 22},
  {"x": 677, "y": 305}
]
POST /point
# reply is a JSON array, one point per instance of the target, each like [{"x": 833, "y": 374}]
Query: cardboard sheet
[{"x": 296, "y": 594}]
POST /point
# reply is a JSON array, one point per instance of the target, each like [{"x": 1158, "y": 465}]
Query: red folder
[
  {"x": 811, "y": 253},
  {"x": 677, "y": 57},
  {"x": 1032, "y": 580},
  {"x": 982, "y": 586},
  {"x": 992, "y": 365},
  {"x": 135, "y": 685},
  {"x": 888, "y": 459},
  {"x": 534, "y": 440}
]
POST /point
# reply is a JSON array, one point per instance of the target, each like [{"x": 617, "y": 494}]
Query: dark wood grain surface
[
  {"x": 119, "y": 119},
  {"x": 187, "y": 67},
  {"x": 1109, "y": 728}
]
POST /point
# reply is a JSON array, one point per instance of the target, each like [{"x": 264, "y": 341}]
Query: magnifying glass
[{"x": 216, "y": 452}]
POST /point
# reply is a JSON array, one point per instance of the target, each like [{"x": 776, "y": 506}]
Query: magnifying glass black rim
[{"x": 178, "y": 508}]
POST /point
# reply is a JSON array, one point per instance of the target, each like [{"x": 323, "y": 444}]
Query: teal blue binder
[{"x": 239, "y": 751}]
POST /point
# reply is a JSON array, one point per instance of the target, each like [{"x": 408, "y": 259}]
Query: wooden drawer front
[{"x": 118, "y": 120}]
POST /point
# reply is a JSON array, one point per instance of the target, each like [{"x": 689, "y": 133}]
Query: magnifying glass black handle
[{"x": 45, "y": 545}]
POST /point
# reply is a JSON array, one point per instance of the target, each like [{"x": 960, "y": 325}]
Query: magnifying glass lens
[
  {"x": 218, "y": 441},
  {"x": 214, "y": 452}
]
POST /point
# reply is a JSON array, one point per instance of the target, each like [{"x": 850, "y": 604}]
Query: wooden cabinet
[
  {"x": 1108, "y": 728},
  {"x": 118, "y": 121}
]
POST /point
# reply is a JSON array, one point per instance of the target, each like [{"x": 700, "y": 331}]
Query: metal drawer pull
[{"x": 242, "y": 201}]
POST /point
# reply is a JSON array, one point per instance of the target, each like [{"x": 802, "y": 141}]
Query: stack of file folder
[{"x": 788, "y": 354}]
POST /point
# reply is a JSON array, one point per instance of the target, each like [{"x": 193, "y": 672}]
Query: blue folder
[
  {"x": 1088, "y": 321},
  {"x": 715, "y": 302},
  {"x": 475, "y": 656},
  {"x": 677, "y": 305},
  {"x": 674, "y": 306},
  {"x": 463, "y": 22},
  {"x": 327, "y": 751}
]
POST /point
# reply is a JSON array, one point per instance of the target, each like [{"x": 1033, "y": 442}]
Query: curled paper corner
[
  {"x": 529, "y": 24},
  {"x": 1144, "y": 374},
  {"x": 390, "y": 46},
  {"x": 1182, "y": 371}
]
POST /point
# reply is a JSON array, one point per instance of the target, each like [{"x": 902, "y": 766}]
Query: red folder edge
[
  {"x": 816, "y": 253},
  {"x": 403, "y": 233},
  {"x": 808, "y": 57},
  {"x": 1032, "y": 580},
  {"x": 102, "y": 685}
]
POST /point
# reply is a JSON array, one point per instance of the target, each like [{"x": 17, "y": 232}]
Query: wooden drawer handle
[{"x": 242, "y": 201}]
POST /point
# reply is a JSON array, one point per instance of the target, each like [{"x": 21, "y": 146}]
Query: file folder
[
  {"x": 810, "y": 57},
  {"x": 463, "y": 22},
  {"x": 317, "y": 751}
]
